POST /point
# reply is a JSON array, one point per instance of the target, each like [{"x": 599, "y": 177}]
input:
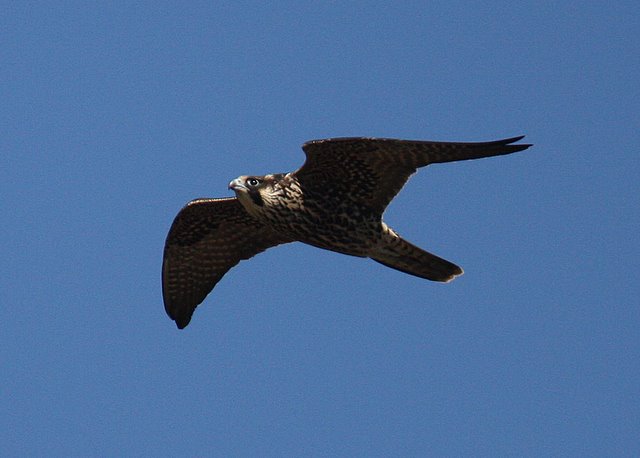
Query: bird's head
[{"x": 254, "y": 192}]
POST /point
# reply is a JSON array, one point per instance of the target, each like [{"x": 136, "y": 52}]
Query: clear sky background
[{"x": 112, "y": 117}]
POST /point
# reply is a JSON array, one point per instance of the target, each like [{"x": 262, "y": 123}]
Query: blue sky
[{"x": 113, "y": 117}]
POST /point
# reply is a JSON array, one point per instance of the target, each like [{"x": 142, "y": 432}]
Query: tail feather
[{"x": 397, "y": 253}]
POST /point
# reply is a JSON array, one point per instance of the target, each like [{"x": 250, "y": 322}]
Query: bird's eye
[{"x": 253, "y": 182}]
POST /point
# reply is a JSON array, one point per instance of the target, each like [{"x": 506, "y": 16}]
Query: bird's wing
[
  {"x": 207, "y": 238},
  {"x": 371, "y": 171}
]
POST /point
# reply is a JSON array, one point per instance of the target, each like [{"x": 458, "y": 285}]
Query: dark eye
[{"x": 253, "y": 182}]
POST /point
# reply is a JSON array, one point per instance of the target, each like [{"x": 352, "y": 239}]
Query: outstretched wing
[
  {"x": 207, "y": 238},
  {"x": 371, "y": 171}
]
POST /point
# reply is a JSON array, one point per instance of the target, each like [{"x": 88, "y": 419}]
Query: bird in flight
[{"x": 334, "y": 201}]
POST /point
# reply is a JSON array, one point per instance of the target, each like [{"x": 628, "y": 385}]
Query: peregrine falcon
[{"x": 334, "y": 201}]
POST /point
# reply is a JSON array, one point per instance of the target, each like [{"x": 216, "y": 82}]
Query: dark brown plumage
[{"x": 334, "y": 201}]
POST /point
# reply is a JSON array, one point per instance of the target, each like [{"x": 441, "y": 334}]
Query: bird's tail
[{"x": 395, "y": 252}]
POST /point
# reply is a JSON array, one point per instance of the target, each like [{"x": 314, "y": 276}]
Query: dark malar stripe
[{"x": 256, "y": 197}]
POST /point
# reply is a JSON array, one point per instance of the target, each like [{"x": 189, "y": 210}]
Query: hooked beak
[{"x": 236, "y": 185}]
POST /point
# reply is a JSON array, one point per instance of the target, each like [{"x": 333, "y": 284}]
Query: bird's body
[
  {"x": 334, "y": 201},
  {"x": 281, "y": 203}
]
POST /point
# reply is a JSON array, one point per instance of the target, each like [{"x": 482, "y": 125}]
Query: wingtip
[
  {"x": 181, "y": 321},
  {"x": 509, "y": 141},
  {"x": 509, "y": 144},
  {"x": 181, "y": 317}
]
